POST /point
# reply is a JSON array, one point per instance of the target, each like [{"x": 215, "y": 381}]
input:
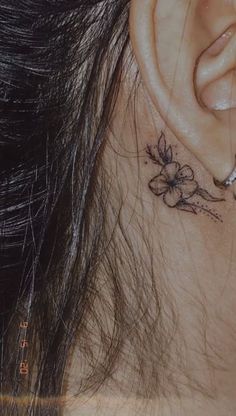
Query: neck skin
[{"x": 193, "y": 263}]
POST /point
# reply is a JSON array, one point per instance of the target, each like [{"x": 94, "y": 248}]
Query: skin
[{"x": 199, "y": 248}]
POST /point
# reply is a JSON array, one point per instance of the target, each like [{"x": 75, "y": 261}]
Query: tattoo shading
[{"x": 177, "y": 184}]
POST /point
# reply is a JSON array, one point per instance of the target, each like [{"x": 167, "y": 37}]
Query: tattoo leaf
[
  {"x": 169, "y": 154},
  {"x": 165, "y": 154},
  {"x": 208, "y": 197},
  {"x": 153, "y": 154},
  {"x": 185, "y": 206}
]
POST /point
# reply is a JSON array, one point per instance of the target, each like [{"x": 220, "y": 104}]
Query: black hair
[
  {"x": 61, "y": 66},
  {"x": 60, "y": 63}
]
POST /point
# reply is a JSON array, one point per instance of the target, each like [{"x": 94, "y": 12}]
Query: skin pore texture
[{"x": 165, "y": 181}]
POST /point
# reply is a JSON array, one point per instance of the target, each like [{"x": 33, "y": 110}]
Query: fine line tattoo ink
[{"x": 177, "y": 185}]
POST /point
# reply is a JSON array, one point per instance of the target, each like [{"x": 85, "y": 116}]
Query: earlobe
[{"x": 176, "y": 99}]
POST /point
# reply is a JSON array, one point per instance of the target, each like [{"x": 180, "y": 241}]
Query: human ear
[{"x": 185, "y": 50}]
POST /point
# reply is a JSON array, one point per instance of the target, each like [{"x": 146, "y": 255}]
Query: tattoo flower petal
[
  {"x": 188, "y": 188},
  {"x": 185, "y": 173},
  {"x": 158, "y": 185},
  {"x": 170, "y": 170},
  {"x": 172, "y": 197}
]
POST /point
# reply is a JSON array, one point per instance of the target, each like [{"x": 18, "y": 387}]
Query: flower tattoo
[{"x": 176, "y": 184}]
